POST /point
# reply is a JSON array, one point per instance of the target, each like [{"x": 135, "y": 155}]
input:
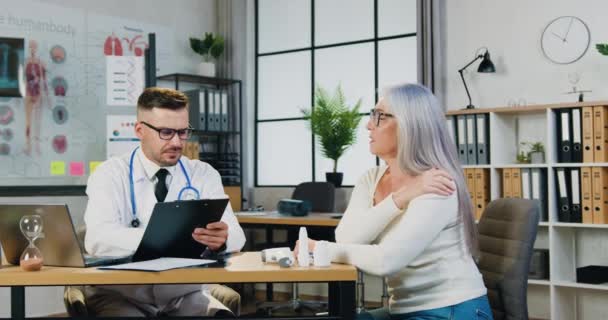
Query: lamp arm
[
  {"x": 470, "y": 106},
  {"x": 470, "y": 63},
  {"x": 466, "y": 88}
]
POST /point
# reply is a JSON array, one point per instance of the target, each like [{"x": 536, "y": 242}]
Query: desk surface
[
  {"x": 312, "y": 219},
  {"x": 242, "y": 267}
]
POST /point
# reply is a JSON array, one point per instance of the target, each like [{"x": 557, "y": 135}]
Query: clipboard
[{"x": 169, "y": 231}]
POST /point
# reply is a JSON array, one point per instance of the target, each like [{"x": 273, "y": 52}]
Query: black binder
[
  {"x": 575, "y": 192},
  {"x": 471, "y": 139},
  {"x": 563, "y": 200},
  {"x": 564, "y": 135},
  {"x": 577, "y": 133},
  {"x": 483, "y": 138},
  {"x": 461, "y": 127}
]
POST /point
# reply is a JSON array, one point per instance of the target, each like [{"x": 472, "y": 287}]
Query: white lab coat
[{"x": 109, "y": 214}]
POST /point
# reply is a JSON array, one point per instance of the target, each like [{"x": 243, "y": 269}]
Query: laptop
[{"x": 59, "y": 244}]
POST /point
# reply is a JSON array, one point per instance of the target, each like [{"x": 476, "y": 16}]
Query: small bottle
[{"x": 303, "y": 254}]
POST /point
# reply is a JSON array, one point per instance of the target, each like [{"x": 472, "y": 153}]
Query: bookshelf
[
  {"x": 220, "y": 145},
  {"x": 570, "y": 245}
]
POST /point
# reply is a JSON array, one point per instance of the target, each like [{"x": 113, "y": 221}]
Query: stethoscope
[{"x": 188, "y": 188}]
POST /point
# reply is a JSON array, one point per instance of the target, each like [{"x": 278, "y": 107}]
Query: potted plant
[
  {"x": 335, "y": 123},
  {"x": 210, "y": 47},
  {"x": 536, "y": 153},
  {"x": 602, "y": 48}
]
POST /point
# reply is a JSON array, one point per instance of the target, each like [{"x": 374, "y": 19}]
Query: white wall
[
  {"x": 186, "y": 18},
  {"x": 512, "y": 30}
]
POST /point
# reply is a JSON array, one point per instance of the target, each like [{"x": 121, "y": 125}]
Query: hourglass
[{"x": 31, "y": 258}]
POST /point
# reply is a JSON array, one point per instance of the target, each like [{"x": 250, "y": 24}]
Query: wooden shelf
[
  {"x": 572, "y": 284},
  {"x": 193, "y": 78},
  {"x": 580, "y": 225},
  {"x": 528, "y": 109},
  {"x": 539, "y": 282}
]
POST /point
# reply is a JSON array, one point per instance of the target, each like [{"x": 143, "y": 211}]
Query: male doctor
[{"x": 122, "y": 193}]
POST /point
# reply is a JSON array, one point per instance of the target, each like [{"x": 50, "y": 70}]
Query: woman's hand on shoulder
[{"x": 435, "y": 181}]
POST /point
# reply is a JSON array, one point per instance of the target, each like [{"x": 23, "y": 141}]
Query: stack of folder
[
  {"x": 526, "y": 183},
  {"x": 210, "y": 110},
  {"x": 471, "y": 136},
  {"x": 582, "y": 134},
  {"x": 478, "y": 183},
  {"x": 582, "y": 194}
]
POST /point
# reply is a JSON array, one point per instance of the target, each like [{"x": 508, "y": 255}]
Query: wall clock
[{"x": 565, "y": 39}]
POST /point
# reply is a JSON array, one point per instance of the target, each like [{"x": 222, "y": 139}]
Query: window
[{"x": 304, "y": 43}]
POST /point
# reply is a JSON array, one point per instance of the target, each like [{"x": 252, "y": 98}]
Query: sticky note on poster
[
  {"x": 57, "y": 168},
  {"x": 93, "y": 166},
  {"x": 76, "y": 168}
]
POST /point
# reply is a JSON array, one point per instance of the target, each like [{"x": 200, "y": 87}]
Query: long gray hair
[{"x": 424, "y": 143}]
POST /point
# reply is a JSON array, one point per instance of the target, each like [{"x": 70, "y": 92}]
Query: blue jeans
[{"x": 474, "y": 309}]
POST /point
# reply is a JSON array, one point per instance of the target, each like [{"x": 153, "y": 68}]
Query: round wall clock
[{"x": 565, "y": 39}]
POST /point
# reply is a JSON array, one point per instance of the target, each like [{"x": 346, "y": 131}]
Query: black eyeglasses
[
  {"x": 168, "y": 133},
  {"x": 377, "y": 115}
]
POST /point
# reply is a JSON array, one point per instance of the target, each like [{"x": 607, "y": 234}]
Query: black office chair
[
  {"x": 507, "y": 231},
  {"x": 321, "y": 195}
]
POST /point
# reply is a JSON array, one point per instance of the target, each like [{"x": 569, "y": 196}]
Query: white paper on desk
[
  {"x": 160, "y": 264},
  {"x": 250, "y": 213}
]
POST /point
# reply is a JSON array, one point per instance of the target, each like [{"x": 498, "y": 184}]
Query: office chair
[
  {"x": 321, "y": 195},
  {"x": 76, "y": 305},
  {"x": 507, "y": 231}
]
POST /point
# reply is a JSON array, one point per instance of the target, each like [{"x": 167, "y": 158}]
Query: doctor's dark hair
[
  {"x": 424, "y": 143},
  {"x": 163, "y": 98}
]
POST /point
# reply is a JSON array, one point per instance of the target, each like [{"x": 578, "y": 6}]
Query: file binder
[
  {"x": 539, "y": 190},
  {"x": 516, "y": 183},
  {"x": 217, "y": 107},
  {"x": 483, "y": 138},
  {"x": 575, "y": 192},
  {"x": 599, "y": 181},
  {"x": 462, "y": 139},
  {"x": 506, "y": 183},
  {"x": 600, "y": 134},
  {"x": 471, "y": 138},
  {"x": 577, "y": 151},
  {"x": 588, "y": 144},
  {"x": 526, "y": 184},
  {"x": 564, "y": 141},
  {"x": 197, "y": 109},
  {"x": 224, "y": 111},
  {"x": 471, "y": 184},
  {"x": 482, "y": 191},
  {"x": 586, "y": 191},
  {"x": 451, "y": 126},
  {"x": 563, "y": 200}
]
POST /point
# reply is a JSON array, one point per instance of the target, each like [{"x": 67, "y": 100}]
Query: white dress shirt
[
  {"x": 420, "y": 250},
  {"x": 109, "y": 213}
]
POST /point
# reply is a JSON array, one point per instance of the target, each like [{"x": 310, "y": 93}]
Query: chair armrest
[{"x": 227, "y": 296}]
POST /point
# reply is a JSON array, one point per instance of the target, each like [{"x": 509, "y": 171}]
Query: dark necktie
[{"x": 161, "y": 186}]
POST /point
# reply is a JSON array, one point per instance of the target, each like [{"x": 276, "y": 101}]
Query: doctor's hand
[
  {"x": 311, "y": 247},
  {"x": 431, "y": 181},
  {"x": 214, "y": 236}
]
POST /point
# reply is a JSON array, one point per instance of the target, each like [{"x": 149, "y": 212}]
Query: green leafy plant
[
  {"x": 208, "y": 47},
  {"x": 524, "y": 156},
  {"x": 602, "y": 48},
  {"x": 333, "y": 122}
]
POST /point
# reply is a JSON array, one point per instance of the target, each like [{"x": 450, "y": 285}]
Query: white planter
[{"x": 206, "y": 69}]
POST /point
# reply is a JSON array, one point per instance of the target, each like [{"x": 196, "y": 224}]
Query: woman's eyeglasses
[
  {"x": 377, "y": 115},
  {"x": 168, "y": 133}
]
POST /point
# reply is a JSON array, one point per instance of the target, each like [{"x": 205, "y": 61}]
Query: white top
[
  {"x": 422, "y": 250},
  {"x": 109, "y": 214}
]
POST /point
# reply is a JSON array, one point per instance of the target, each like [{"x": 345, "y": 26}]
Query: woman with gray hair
[{"x": 405, "y": 223}]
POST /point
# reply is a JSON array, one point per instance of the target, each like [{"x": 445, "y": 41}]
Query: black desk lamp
[{"x": 486, "y": 66}]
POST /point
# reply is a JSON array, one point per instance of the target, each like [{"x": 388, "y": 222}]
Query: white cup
[{"x": 321, "y": 254}]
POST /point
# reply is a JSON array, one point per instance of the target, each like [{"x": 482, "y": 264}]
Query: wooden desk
[
  {"x": 275, "y": 218},
  {"x": 272, "y": 220},
  {"x": 246, "y": 267}
]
